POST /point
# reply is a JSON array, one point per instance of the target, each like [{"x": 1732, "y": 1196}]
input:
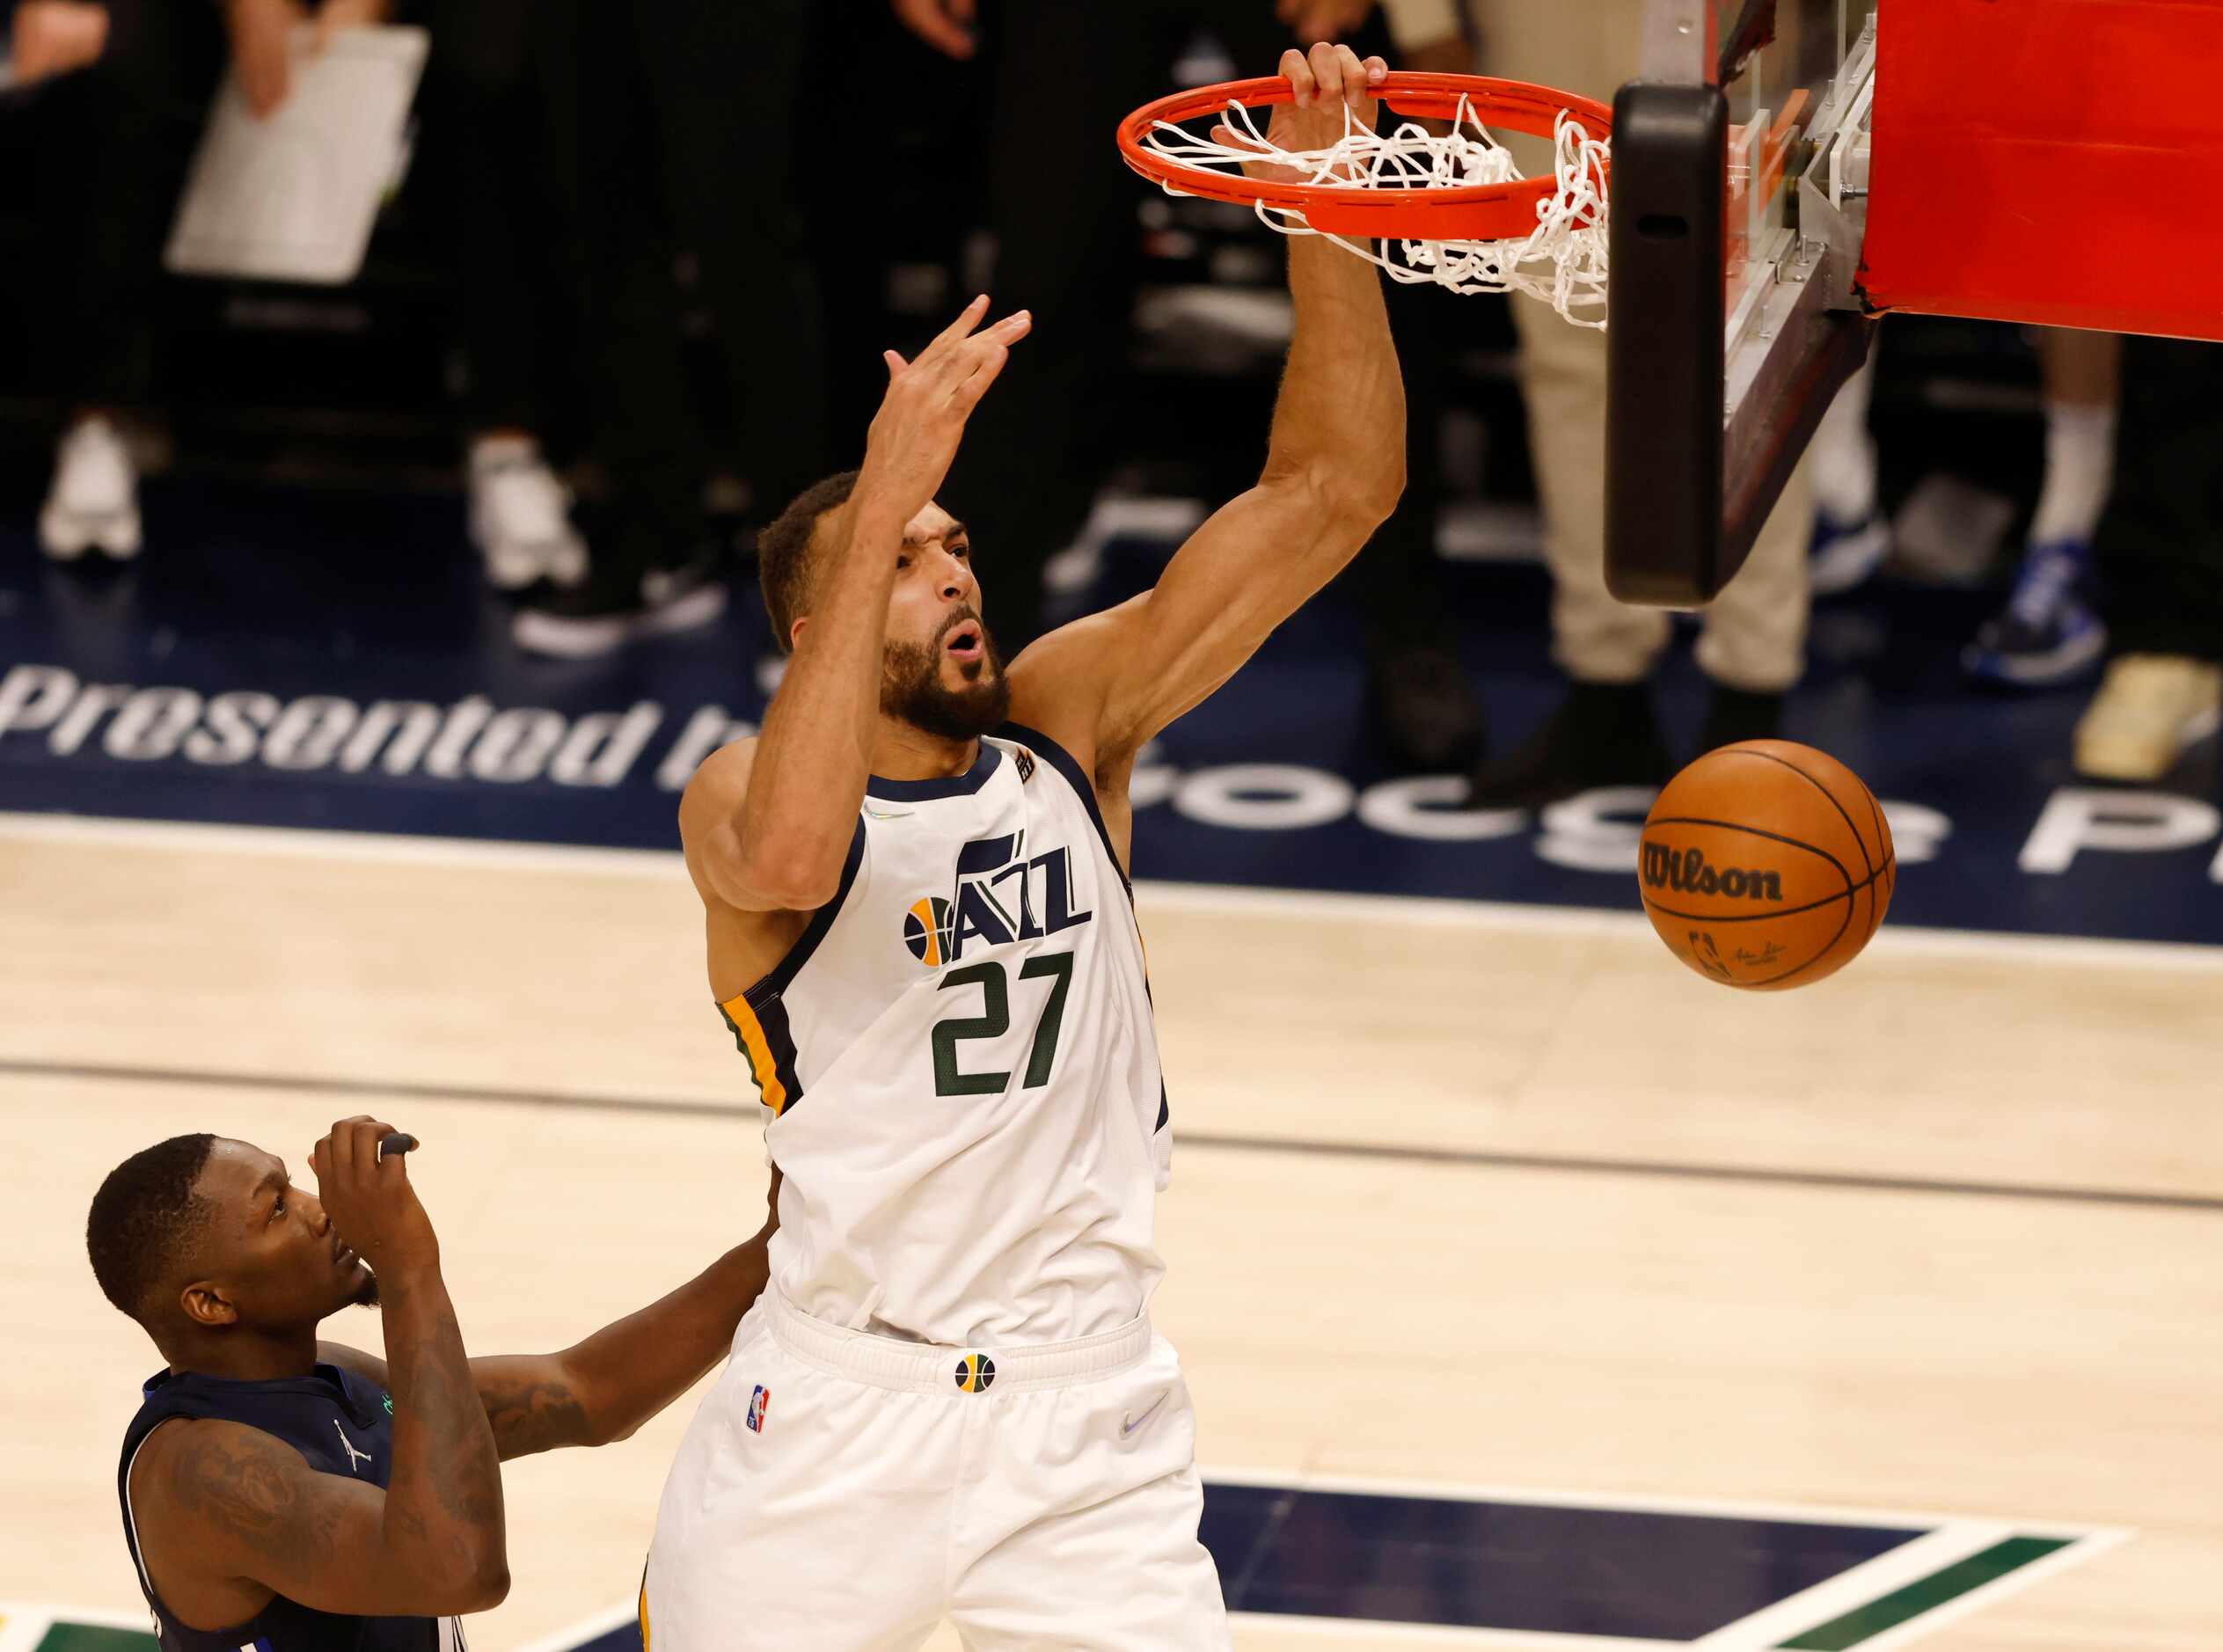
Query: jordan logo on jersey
[
  {"x": 999, "y": 894},
  {"x": 353, "y": 1456}
]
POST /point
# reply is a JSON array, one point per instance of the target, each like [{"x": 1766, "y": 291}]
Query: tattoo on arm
[
  {"x": 470, "y": 1490},
  {"x": 228, "y": 1507},
  {"x": 241, "y": 1487},
  {"x": 531, "y": 1414}
]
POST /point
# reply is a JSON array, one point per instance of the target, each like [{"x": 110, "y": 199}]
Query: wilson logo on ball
[{"x": 1686, "y": 872}]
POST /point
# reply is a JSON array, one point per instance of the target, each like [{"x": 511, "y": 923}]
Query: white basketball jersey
[{"x": 962, "y": 1069}]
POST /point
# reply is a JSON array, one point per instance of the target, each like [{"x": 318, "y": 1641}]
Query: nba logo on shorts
[{"x": 757, "y": 1402}]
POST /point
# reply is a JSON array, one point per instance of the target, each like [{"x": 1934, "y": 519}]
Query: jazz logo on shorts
[
  {"x": 974, "y": 1372},
  {"x": 759, "y": 1403}
]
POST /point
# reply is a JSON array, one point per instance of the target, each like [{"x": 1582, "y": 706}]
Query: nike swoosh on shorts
[{"x": 1133, "y": 1421}]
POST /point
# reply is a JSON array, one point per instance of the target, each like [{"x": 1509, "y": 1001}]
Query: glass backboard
[{"x": 1739, "y": 186}]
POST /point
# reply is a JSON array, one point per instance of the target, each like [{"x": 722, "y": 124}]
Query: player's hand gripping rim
[{"x": 1326, "y": 81}]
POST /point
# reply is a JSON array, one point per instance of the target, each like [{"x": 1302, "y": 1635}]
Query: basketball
[{"x": 1766, "y": 864}]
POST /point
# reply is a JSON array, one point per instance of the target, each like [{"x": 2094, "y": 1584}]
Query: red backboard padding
[{"x": 2050, "y": 161}]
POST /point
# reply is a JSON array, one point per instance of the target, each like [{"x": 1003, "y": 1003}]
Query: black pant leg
[
  {"x": 2159, "y": 547},
  {"x": 644, "y": 435},
  {"x": 125, "y": 131},
  {"x": 725, "y": 86},
  {"x": 1063, "y": 211},
  {"x": 488, "y": 114}
]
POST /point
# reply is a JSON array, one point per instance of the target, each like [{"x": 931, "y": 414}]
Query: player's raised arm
[
  {"x": 767, "y": 829},
  {"x": 1334, "y": 468}
]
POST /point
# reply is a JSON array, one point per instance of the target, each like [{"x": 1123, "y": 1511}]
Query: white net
[{"x": 1561, "y": 260}]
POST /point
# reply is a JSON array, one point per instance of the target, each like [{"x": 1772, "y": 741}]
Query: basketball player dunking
[{"x": 949, "y": 1403}]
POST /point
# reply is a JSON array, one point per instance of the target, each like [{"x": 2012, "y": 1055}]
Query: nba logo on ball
[
  {"x": 757, "y": 1402},
  {"x": 1765, "y": 864}
]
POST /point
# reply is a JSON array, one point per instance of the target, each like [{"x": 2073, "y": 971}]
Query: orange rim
[{"x": 1476, "y": 212}]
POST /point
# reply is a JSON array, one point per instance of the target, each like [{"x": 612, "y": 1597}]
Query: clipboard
[{"x": 293, "y": 198}]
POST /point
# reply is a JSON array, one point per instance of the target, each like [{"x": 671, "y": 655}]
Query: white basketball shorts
[{"x": 846, "y": 1492}]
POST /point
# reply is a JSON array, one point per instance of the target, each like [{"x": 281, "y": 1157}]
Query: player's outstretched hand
[
  {"x": 914, "y": 436},
  {"x": 373, "y": 1207},
  {"x": 1329, "y": 82}
]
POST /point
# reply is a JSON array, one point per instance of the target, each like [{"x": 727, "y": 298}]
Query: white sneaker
[
  {"x": 2150, "y": 707},
  {"x": 94, "y": 501},
  {"x": 521, "y": 517}
]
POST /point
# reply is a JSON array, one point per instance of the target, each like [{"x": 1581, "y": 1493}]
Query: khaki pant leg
[
  {"x": 1594, "y": 639},
  {"x": 1756, "y": 629},
  {"x": 1755, "y": 633}
]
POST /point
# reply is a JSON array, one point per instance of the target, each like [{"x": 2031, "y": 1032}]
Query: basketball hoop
[{"x": 1458, "y": 210}]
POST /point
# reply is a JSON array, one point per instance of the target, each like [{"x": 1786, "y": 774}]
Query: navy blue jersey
[{"x": 342, "y": 1424}]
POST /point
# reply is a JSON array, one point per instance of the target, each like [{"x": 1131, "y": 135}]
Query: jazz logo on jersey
[
  {"x": 759, "y": 1403},
  {"x": 926, "y": 930},
  {"x": 1000, "y": 894},
  {"x": 975, "y": 1372}
]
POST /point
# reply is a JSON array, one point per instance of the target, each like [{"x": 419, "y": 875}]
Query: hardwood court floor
[{"x": 1462, "y": 1193}]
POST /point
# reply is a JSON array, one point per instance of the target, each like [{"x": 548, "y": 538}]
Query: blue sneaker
[
  {"x": 1844, "y": 554},
  {"x": 2048, "y": 634}
]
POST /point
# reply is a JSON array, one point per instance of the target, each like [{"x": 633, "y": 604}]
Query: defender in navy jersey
[
  {"x": 920, "y": 935},
  {"x": 284, "y": 1494}
]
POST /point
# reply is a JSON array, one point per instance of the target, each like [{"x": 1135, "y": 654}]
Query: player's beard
[{"x": 911, "y": 686}]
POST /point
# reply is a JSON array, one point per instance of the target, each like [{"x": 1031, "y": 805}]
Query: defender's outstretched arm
[
  {"x": 599, "y": 1390},
  {"x": 1334, "y": 468}
]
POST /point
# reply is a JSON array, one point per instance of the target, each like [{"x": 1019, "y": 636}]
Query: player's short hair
[
  {"x": 783, "y": 553},
  {"x": 145, "y": 1218}
]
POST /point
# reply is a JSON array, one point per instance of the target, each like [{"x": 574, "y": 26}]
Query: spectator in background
[
  {"x": 504, "y": 137},
  {"x": 135, "y": 87},
  {"x": 1605, "y": 732},
  {"x": 1068, "y": 249},
  {"x": 2162, "y": 543},
  {"x": 2049, "y": 630},
  {"x": 685, "y": 113}
]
